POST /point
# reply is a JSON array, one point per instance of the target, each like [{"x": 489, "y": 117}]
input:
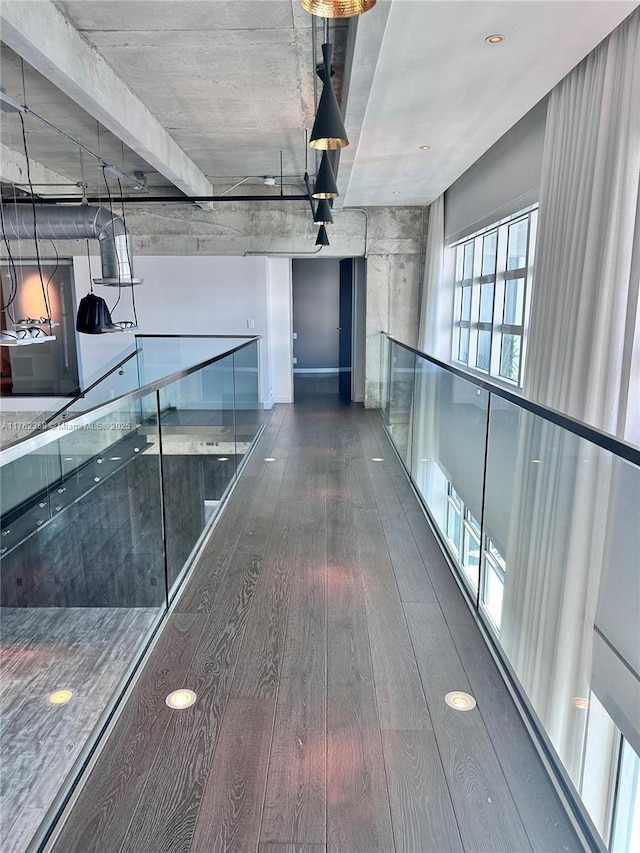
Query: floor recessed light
[
  {"x": 60, "y": 697},
  {"x": 179, "y": 699},
  {"x": 460, "y": 701},
  {"x": 269, "y": 458},
  {"x": 580, "y": 702},
  {"x": 496, "y": 38},
  {"x": 425, "y": 148},
  {"x": 377, "y": 459}
]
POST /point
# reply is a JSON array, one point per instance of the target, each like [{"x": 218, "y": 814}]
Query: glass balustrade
[
  {"x": 102, "y": 516},
  {"x": 540, "y": 519}
]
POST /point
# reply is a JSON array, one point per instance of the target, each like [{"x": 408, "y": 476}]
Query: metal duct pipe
[{"x": 77, "y": 223}]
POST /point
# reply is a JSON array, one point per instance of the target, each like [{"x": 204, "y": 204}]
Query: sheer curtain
[
  {"x": 583, "y": 332},
  {"x": 434, "y": 333},
  {"x": 584, "y": 310}
]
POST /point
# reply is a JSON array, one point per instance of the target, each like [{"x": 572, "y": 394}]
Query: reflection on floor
[{"x": 43, "y": 650}]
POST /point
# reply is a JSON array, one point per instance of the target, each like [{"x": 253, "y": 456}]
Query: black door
[{"x": 344, "y": 329}]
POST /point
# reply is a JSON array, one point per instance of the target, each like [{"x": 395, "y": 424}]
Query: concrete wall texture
[{"x": 392, "y": 239}]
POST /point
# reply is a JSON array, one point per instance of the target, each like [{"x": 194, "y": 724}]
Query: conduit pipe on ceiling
[{"x": 77, "y": 223}]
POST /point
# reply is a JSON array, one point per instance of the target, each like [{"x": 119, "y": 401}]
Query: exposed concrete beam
[
  {"x": 41, "y": 34},
  {"x": 13, "y": 170}
]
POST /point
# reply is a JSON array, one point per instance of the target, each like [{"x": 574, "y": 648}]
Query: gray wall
[
  {"x": 316, "y": 290},
  {"x": 503, "y": 181}
]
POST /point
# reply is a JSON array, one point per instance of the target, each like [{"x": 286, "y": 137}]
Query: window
[
  {"x": 464, "y": 536},
  {"x": 492, "y": 288}
]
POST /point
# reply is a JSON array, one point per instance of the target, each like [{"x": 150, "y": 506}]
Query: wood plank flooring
[
  {"x": 320, "y": 630},
  {"x": 83, "y": 649}
]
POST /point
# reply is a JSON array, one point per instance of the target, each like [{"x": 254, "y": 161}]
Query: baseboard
[{"x": 316, "y": 370}]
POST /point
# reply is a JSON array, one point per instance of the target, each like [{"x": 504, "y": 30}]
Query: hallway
[{"x": 320, "y": 630}]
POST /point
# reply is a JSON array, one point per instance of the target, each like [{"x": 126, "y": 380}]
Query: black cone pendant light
[
  {"x": 337, "y": 8},
  {"x": 323, "y": 238},
  {"x": 325, "y": 186},
  {"x": 93, "y": 316},
  {"x": 328, "y": 131},
  {"x": 323, "y": 215}
]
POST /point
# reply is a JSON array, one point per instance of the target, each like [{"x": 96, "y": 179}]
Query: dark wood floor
[
  {"x": 83, "y": 649},
  {"x": 320, "y": 631}
]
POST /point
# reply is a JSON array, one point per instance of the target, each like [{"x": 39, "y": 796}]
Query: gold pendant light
[{"x": 337, "y": 8}]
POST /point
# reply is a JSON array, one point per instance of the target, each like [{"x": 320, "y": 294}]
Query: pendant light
[
  {"x": 323, "y": 238},
  {"x": 94, "y": 316},
  {"x": 337, "y": 8},
  {"x": 328, "y": 131},
  {"x": 323, "y": 216},
  {"x": 325, "y": 186}
]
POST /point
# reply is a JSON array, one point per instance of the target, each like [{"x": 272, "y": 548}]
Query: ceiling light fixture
[
  {"x": 377, "y": 459},
  {"x": 425, "y": 148},
  {"x": 337, "y": 8},
  {"x": 323, "y": 238},
  {"x": 323, "y": 216},
  {"x": 460, "y": 701},
  {"x": 496, "y": 38},
  {"x": 325, "y": 186},
  {"x": 328, "y": 132},
  {"x": 179, "y": 699},
  {"x": 93, "y": 316},
  {"x": 269, "y": 458},
  {"x": 580, "y": 703}
]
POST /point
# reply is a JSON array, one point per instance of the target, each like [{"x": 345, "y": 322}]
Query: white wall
[
  {"x": 280, "y": 335},
  {"x": 201, "y": 295}
]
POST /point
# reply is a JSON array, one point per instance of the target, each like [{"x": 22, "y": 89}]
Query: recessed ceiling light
[
  {"x": 536, "y": 461},
  {"x": 96, "y": 479},
  {"x": 460, "y": 701},
  {"x": 179, "y": 699},
  {"x": 115, "y": 458},
  {"x": 580, "y": 702},
  {"x": 223, "y": 458},
  {"x": 99, "y": 461},
  {"x": 377, "y": 459},
  {"x": 424, "y": 460},
  {"x": 496, "y": 38},
  {"x": 425, "y": 148},
  {"x": 395, "y": 192},
  {"x": 60, "y": 697},
  {"x": 269, "y": 458}
]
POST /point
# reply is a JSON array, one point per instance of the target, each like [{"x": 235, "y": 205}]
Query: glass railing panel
[
  {"x": 447, "y": 460},
  {"x": 199, "y": 455},
  {"x": 398, "y": 413},
  {"x": 249, "y": 414},
  {"x": 162, "y": 355},
  {"x": 82, "y": 588},
  {"x": 561, "y": 592}
]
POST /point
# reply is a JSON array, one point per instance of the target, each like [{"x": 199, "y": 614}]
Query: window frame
[{"x": 467, "y": 290}]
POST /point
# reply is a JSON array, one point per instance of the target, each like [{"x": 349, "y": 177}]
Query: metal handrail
[{"x": 629, "y": 452}]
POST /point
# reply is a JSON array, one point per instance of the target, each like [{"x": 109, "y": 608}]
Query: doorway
[{"x": 329, "y": 323}]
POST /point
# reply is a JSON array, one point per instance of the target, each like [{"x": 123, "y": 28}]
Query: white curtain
[
  {"x": 434, "y": 333},
  {"x": 584, "y": 308},
  {"x": 581, "y": 362}
]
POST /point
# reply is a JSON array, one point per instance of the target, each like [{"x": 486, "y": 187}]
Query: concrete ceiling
[{"x": 204, "y": 94}]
